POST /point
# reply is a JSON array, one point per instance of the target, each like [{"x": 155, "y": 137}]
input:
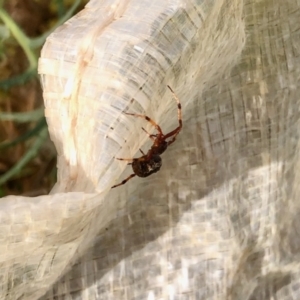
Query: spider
[{"x": 151, "y": 162}]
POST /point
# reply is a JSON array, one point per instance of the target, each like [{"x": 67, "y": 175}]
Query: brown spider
[{"x": 150, "y": 163}]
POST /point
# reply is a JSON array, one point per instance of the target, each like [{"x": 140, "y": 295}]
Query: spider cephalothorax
[{"x": 151, "y": 162}]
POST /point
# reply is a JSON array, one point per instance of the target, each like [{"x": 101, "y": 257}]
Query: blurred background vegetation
[{"x": 27, "y": 156}]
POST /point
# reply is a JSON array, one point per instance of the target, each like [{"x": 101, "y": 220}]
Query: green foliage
[{"x": 10, "y": 33}]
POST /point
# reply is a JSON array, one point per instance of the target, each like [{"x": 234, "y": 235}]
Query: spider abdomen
[{"x": 146, "y": 167}]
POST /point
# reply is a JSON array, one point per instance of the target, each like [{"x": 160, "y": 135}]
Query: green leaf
[
  {"x": 18, "y": 80},
  {"x": 27, "y": 157},
  {"x": 23, "y": 117},
  {"x": 29, "y": 134}
]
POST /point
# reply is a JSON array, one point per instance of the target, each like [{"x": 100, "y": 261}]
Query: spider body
[
  {"x": 144, "y": 167},
  {"x": 159, "y": 147},
  {"x": 151, "y": 162}
]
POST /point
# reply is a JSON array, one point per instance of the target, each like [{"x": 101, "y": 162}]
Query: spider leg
[
  {"x": 142, "y": 152},
  {"x": 151, "y": 136},
  {"x": 127, "y": 159},
  {"x": 175, "y": 132},
  {"x": 149, "y": 120},
  {"x": 172, "y": 140},
  {"x": 124, "y": 181}
]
